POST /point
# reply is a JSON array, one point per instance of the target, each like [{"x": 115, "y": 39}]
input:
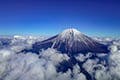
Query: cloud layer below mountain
[{"x": 30, "y": 66}]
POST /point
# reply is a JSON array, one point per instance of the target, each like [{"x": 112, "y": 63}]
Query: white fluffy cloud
[
  {"x": 53, "y": 55},
  {"x": 31, "y": 66}
]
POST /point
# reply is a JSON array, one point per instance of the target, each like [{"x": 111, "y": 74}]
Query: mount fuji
[
  {"x": 71, "y": 41},
  {"x": 77, "y": 49}
]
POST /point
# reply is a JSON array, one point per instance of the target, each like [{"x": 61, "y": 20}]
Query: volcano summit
[{"x": 71, "y": 41}]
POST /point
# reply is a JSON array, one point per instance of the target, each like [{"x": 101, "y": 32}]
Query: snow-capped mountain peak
[
  {"x": 71, "y": 41},
  {"x": 70, "y": 31},
  {"x": 70, "y": 34}
]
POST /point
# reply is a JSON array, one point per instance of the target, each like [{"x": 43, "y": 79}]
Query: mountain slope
[{"x": 71, "y": 41}]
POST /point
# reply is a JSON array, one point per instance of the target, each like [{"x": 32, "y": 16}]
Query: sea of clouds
[{"x": 31, "y": 66}]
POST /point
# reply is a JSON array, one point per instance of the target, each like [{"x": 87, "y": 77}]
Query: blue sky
[{"x": 49, "y": 17}]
